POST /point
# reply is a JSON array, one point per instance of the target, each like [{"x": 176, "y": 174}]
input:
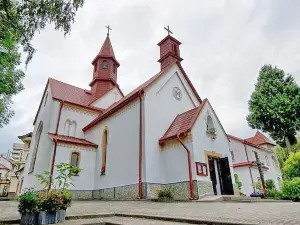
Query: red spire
[{"x": 105, "y": 70}]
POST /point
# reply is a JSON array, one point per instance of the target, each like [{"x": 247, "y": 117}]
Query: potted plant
[
  {"x": 48, "y": 207},
  {"x": 165, "y": 194},
  {"x": 29, "y": 207}
]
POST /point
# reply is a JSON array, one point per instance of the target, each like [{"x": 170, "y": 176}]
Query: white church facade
[{"x": 161, "y": 133}]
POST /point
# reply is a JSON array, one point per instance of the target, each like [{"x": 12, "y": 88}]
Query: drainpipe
[
  {"x": 189, "y": 167},
  {"x": 140, "y": 194},
  {"x": 55, "y": 145}
]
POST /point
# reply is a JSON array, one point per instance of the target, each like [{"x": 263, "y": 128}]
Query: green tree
[
  {"x": 275, "y": 106},
  {"x": 291, "y": 167},
  {"x": 19, "y": 22},
  {"x": 283, "y": 153}
]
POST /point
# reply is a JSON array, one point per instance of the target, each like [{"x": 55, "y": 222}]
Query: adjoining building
[{"x": 244, "y": 154}]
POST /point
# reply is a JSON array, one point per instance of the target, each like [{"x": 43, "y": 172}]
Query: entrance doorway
[{"x": 220, "y": 176}]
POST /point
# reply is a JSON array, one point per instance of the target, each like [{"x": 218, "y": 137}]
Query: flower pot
[
  {"x": 29, "y": 218},
  {"x": 52, "y": 217},
  {"x": 165, "y": 199}
]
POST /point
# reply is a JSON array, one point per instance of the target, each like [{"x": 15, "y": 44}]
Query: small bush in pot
[{"x": 29, "y": 206}]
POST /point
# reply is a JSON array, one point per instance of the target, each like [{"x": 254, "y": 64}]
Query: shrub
[
  {"x": 291, "y": 189},
  {"x": 270, "y": 184},
  {"x": 238, "y": 183},
  {"x": 166, "y": 192},
  {"x": 291, "y": 167},
  {"x": 273, "y": 194},
  {"x": 28, "y": 201},
  {"x": 257, "y": 185}
]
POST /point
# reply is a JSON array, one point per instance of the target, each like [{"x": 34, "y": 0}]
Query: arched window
[
  {"x": 279, "y": 182},
  {"x": 67, "y": 127},
  {"x": 104, "y": 64},
  {"x": 267, "y": 160},
  {"x": 35, "y": 149},
  {"x": 46, "y": 99},
  {"x": 70, "y": 128},
  {"x": 114, "y": 68},
  {"x": 274, "y": 160},
  {"x": 232, "y": 155},
  {"x": 104, "y": 150},
  {"x": 210, "y": 125},
  {"x": 75, "y": 159}
]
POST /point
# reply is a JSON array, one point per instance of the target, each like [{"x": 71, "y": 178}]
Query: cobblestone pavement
[{"x": 253, "y": 213}]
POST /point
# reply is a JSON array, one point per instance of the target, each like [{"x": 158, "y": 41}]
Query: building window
[
  {"x": 274, "y": 161},
  {"x": 35, "y": 149},
  {"x": 267, "y": 160},
  {"x": 46, "y": 99},
  {"x": 75, "y": 158},
  {"x": 104, "y": 150},
  {"x": 279, "y": 182},
  {"x": 210, "y": 129},
  {"x": 104, "y": 64},
  {"x": 114, "y": 68},
  {"x": 70, "y": 128},
  {"x": 232, "y": 156}
]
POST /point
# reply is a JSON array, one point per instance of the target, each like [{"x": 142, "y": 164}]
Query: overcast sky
[{"x": 225, "y": 43}]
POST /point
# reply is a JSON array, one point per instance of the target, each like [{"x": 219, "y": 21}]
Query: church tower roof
[{"x": 105, "y": 70}]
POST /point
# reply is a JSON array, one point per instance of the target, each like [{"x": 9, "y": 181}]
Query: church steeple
[
  {"x": 105, "y": 70},
  {"x": 169, "y": 50}
]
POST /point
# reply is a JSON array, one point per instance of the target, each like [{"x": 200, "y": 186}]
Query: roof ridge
[{"x": 50, "y": 78}]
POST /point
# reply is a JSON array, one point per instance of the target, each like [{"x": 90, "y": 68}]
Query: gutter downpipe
[
  {"x": 140, "y": 194},
  {"x": 189, "y": 168},
  {"x": 249, "y": 167},
  {"x": 55, "y": 145}
]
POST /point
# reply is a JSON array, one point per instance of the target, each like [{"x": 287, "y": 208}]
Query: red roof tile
[
  {"x": 73, "y": 140},
  {"x": 245, "y": 141},
  {"x": 259, "y": 139},
  {"x": 135, "y": 93},
  {"x": 3, "y": 167},
  {"x": 182, "y": 122}
]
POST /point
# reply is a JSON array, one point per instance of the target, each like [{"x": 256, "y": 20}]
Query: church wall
[
  {"x": 238, "y": 149},
  {"x": 81, "y": 117},
  {"x": 161, "y": 109},
  {"x": 203, "y": 145},
  {"x": 48, "y": 115},
  {"x": 121, "y": 176},
  {"x": 108, "y": 99},
  {"x": 245, "y": 177},
  {"x": 84, "y": 181}
]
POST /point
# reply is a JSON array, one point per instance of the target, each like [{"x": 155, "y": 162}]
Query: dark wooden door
[{"x": 225, "y": 176}]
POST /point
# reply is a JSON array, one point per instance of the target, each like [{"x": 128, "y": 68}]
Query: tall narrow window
[
  {"x": 267, "y": 160},
  {"x": 175, "y": 49},
  {"x": 75, "y": 157},
  {"x": 67, "y": 127},
  {"x": 73, "y": 127},
  {"x": 274, "y": 160},
  {"x": 35, "y": 149},
  {"x": 232, "y": 156},
  {"x": 114, "y": 68},
  {"x": 95, "y": 67},
  {"x": 104, "y": 150},
  {"x": 104, "y": 64}
]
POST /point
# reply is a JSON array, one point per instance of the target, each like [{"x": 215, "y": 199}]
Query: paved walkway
[{"x": 251, "y": 213}]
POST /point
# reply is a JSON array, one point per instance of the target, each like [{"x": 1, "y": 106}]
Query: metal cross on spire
[
  {"x": 108, "y": 28},
  {"x": 168, "y": 29}
]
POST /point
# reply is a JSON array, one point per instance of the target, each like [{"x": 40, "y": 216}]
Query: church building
[{"x": 129, "y": 146}]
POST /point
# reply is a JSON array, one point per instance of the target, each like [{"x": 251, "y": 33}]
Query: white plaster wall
[
  {"x": 85, "y": 180},
  {"x": 202, "y": 142},
  {"x": 81, "y": 117},
  {"x": 122, "y": 148},
  {"x": 274, "y": 171},
  {"x": 161, "y": 109},
  {"x": 175, "y": 164},
  {"x": 238, "y": 149},
  {"x": 108, "y": 99},
  {"x": 48, "y": 114},
  {"x": 245, "y": 178}
]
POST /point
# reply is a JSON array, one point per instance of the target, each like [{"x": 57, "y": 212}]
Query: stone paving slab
[{"x": 264, "y": 213}]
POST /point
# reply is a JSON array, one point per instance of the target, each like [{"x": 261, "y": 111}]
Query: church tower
[
  {"x": 105, "y": 70},
  {"x": 169, "y": 51}
]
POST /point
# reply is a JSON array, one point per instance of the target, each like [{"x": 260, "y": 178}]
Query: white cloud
[{"x": 225, "y": 43}]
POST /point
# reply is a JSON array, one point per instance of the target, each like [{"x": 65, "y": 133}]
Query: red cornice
[
  {"x": 99, "y": 110},
  {"x": 169, "y": 37},
  {"x": 242, "y": 164},
  {"x": 102, "y": 79}
]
